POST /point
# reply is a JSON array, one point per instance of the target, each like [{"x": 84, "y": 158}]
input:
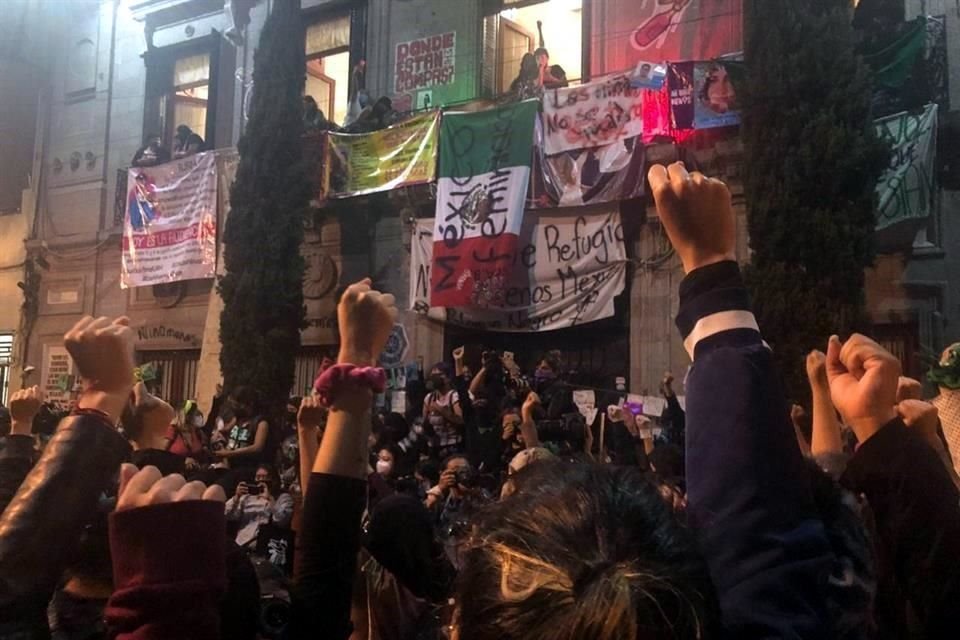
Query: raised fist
[
  {"x": 311, "y": 414},
  {"x": 817, "y": 367},
  {"x": 25, "y": 404},
  {"x": 103, "y": 352},
  {"x": 863, "y": 380},
  {"x": 366, "y": 319},
  {"x": 145, "y": 487},
  {"x": 697, "y": 215}
]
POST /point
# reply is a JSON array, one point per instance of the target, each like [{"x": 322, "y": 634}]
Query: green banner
[
  {"x": 907, "y": 187},
  {"x": 362, "y": 163}
]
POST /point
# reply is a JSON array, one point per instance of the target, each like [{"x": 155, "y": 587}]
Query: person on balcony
[
  {"x": 186, "y": 142},
  {"x": 151, "y": 153}
]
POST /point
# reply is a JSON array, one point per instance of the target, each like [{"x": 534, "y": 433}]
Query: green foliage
[
  {"x": 262, "y": 288},
  {"x": 812, "y": 165}
]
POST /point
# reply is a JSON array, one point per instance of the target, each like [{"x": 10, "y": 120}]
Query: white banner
[
  {"x": 573, "y": 264},
  {"x": 592, "y": 115},
  {"x": 908, "y": 186},
  {"x": 170, "y": 228}
]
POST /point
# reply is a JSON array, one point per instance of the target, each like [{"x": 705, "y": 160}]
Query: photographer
[
  {"x": 455, "y": 499},
  {"x": 258, "y": 503}
]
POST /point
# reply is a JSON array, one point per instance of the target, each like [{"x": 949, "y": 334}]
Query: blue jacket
[{"x": 749, "y": 494}]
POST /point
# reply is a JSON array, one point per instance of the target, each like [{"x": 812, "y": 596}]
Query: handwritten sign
[
  {"x": 592, "y": 115},
  {"x": 907, "y": 186},
  {"x": 571, "y": 264},
  {"x": 170, "y": 226},
  {"x": 425, "y": 62},
  {"x": 57, "y": 374},
  {"x": 364, "y": 163}
]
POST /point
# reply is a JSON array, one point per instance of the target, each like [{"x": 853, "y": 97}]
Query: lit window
[
  {"x": 191, "y": 91},
  {"x": 328, "y": 67},
  {"x": 561, "y": 23}
]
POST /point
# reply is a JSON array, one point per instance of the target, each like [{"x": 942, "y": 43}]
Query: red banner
[{"x": 626, "y": 32}]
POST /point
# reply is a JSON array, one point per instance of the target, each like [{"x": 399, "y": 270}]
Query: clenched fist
[
  {"x": 863, "y": 383},
  {"x": 697, "y": 215},
  {"x": 366, "y": 319},
  {"x": 145, "y": 487},
  {"x": 103, "y": 352},
  {"x": 24, "y": 405}
]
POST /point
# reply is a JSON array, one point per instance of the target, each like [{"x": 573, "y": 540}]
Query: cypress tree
[
  {"x": 262, "y": 288},
  {"x": 812, "y": 161}
]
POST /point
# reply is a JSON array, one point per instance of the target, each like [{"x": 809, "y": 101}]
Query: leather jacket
[{"x": 40, "y": 528}]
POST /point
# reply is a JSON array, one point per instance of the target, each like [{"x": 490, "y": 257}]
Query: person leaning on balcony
[
  {"x": 186, "y": 142},
  {"x": 151, "y": 153}
]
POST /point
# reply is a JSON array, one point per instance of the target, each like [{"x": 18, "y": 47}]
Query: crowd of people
[{"x": 492, "y": 509}]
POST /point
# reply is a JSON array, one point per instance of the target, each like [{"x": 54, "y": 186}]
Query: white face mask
[
  {"x": 384, "y": 468},
  {"x": 197, "y": 421}
]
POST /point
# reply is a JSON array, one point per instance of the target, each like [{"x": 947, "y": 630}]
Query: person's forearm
[
  {"x": 478, "y": 381},
  {"x": 308, "y": 440},
  {"x": 343, "y": 451},
  {"x": 827, "y": 436}
]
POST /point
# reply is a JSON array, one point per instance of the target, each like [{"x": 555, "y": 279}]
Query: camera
[
  {"x": 466, "y": 477},
  {"x": 570, "y": 427}
]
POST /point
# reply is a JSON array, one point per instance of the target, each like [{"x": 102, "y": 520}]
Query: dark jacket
[
  {"x": 41, "y": 526},
  {"x": 16, "y": 460},
  {"x": 749, "y": 494},
  {"x": 916, "y": 509}
]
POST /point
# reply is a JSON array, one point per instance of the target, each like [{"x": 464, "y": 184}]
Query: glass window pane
[
  {"x": 192, "y": 69},
  {"x": 327, "y": 81},
  {"x": 328, "y": 35},
  {"x": 190, "y": 113}
]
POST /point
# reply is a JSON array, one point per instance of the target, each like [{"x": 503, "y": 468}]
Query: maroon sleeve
[{"x": 169, "y": 571}]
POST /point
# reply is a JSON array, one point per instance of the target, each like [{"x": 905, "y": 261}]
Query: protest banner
[
  {"x": 425, "y": 62},
  {"x": 681, "y": 85},
  {"x": 715, "y": 97},
  {"x": 170, "y": 224},
  {"x": 625, "y": 32},
  {"x": 363, "y": 163},
  {"x": 571, "y": 266},
  {"x": 484, "y": 174},
  {"x": 587, "y": 176},
  {"x": 907, "y": 187},
  {"x": 592, "y": 115}
]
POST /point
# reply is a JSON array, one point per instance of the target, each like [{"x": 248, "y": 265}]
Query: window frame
[{"x": 160, "y": 99}]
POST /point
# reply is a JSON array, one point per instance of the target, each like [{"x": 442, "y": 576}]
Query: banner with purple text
[
  {"x": 170, "y": 226},
  {"x": 592, "y": 115},
  {"x": 572, "y": 266}
]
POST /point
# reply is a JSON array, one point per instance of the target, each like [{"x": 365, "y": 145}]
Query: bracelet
[{"x": 331, "y": 382}]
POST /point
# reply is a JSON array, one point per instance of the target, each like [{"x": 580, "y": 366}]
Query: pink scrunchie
[{"x": 331, "y": 381}]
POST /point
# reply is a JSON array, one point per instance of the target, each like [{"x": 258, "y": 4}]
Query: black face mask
[
  {"x": 438, "y": 382},
  {"x": 291, "y": 416}
]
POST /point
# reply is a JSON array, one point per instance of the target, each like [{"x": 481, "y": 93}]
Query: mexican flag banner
[{"x": 485, "y": 160}]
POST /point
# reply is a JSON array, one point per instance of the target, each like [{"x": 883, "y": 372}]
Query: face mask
[
  {"x": 437, "y": 382},
  {"x": 418, "y": 429},
  {"x": 384, "y": 468},
  {"x": 544, "y": 375},
  {"x": 197, "y": 421}
]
